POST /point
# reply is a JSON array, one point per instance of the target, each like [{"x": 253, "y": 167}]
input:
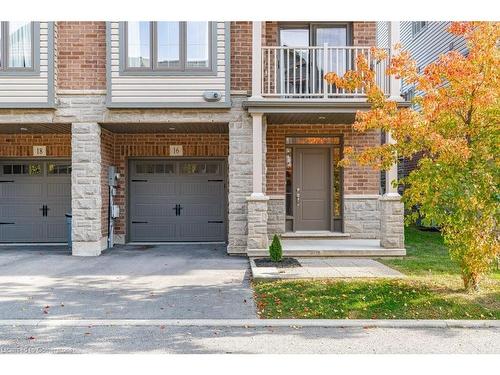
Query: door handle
[
  {"x": 44, "y": 210},
  {"x": 176, "y": 208},
  {"x": 297, "y": 196},
  {"x": 180, "y": 208}
]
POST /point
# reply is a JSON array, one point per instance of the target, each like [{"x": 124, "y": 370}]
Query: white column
[
  {"x": 391, "y": 210},
  {"x": 391, "y": 174},
  {"x": 257, "y": 137},
  {"x": 394, "y": 83},
  {"x": 256, "y": 60}
]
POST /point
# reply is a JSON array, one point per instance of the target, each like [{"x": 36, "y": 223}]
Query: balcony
[{"x": 296, "y": 73}]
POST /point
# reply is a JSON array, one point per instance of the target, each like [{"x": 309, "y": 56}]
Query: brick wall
[
  {"x": 364, "y": 33},
  {"x": 21, "y": 145},
  {"x": 157, "y": 145},
  {"x": 81, "y": 55},
  {"x": 357, "y": 179},
  {"x": 107, "y": 159},
  {"x": 241, "y": 56}
]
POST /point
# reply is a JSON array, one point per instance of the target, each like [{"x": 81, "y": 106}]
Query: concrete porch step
[
  {"x": 331, "y": 248},
  {"x": 314, "y": 235}
]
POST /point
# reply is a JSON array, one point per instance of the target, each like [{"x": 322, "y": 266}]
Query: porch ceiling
[
  {"x": 310, "y": 118},
  {"x": 166, "y": 127},
  {"x": 53, "y": 128}
]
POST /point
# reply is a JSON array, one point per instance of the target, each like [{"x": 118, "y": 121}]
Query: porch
[{"x": 300, "y": 126}]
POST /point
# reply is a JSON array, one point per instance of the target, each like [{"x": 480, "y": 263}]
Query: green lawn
[{"x": 432, "y": 290}]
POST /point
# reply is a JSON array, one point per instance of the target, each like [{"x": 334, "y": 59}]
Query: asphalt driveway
[{"x": 128, "y": 282}]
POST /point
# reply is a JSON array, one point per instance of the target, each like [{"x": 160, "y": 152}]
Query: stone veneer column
[
  {"x": 257, "y": 222},
  {"x": 257, "y": 202},
  {"x": 240, "y": 178},
  {"x": 391, "y": 222},
  {"x": 86, "y": 199}
]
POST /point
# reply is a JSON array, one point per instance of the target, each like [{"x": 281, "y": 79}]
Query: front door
[{"x": 311, "y": 188}]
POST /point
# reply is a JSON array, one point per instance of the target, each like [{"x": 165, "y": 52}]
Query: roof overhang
[{"x": 300, "y": 111}]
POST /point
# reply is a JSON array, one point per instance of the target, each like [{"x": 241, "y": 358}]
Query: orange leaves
[
  {"x": 378, "y": 54},
  {"x": 456, "y": 126},
  {"x": 454, "y": 93},
  {"x": 402, "y": 66},
  {"x": 460, "y": 28}
]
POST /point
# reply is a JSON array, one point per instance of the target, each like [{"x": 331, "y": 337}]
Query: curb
[{"x": 255, "y": 323}]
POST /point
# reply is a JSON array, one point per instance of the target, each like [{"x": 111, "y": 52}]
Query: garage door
[
  {"x": 177, "y": 200},
  {"x": 34, "y": 196}
]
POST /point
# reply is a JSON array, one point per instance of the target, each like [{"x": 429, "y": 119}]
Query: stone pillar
[
  {"x": 240, "y": 178},
  {"x": 257, "y": 223},
  {"x": 391, "y": 222},
  {"x": 86, "y": 198}
]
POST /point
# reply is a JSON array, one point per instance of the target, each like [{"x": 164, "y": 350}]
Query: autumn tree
[{"x": 455, "y": 124}]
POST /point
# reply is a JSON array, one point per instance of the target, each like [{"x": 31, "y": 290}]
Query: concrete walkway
[
  {"x": 128, "y": 282},
  {"x": 326, "y": 268}
]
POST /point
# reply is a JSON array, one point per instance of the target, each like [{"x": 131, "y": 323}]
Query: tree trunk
[{"x": 471, "y": 282}]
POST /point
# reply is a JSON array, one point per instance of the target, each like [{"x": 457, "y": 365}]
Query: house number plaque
[
  {"x": 176, "y": 150},
  {"x": 39, "y": 150}
]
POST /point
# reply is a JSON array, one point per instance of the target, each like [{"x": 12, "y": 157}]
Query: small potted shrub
[{"x": 275, "y": 249}]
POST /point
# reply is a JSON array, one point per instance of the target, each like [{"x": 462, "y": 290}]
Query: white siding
[
  {"x": 158, "y": 89},
  {"x": 382, "y": 35},
  {"x": 28, "y": 89},
  {"x": 431, "y": 42}
]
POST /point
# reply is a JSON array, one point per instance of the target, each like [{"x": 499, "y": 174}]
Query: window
[
  {"x": 58, "y": 169},
  {"x": 417, "y": 27},
  {"x": 138, "y": 44},
  {"x": 23, "y": 169},
  {"x": 168, "y": 46},
  {"x": 16, "y": 46},
  {"x": 154, "y": 168},
  {"x": 200, "y": 168}
]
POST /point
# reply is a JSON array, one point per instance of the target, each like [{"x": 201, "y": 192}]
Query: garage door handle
[{"x": 139, "y": 222}]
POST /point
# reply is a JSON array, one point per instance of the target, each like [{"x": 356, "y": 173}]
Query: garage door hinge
[
  {"x": 139, "y": 222},
  {"x": 215, "y": 180},
  {"x": 139, "y": 180},
  {"x": 1, "y": 223},
  {"x": 215, "y": 221},
  {"x": 6, "y": 181}
]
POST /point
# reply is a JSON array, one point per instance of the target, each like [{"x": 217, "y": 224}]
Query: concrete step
[
  {"x": 332, "y": 248},
  {"x": 315, "y": 235},
  {"x": 333, "y": 253}
]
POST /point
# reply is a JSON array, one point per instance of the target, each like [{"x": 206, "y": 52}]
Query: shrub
[{"x": 275, "y": 250}]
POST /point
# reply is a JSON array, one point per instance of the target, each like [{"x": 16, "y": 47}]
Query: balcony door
[{"x": 302, "y": 66}]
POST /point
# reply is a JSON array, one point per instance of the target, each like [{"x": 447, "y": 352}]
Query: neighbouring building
[
  {"x": 189, "y": 132},
  {"x": 426, "y": 41}
]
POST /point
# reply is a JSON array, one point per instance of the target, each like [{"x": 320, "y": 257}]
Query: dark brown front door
[{"x": 312, "y": 186}]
